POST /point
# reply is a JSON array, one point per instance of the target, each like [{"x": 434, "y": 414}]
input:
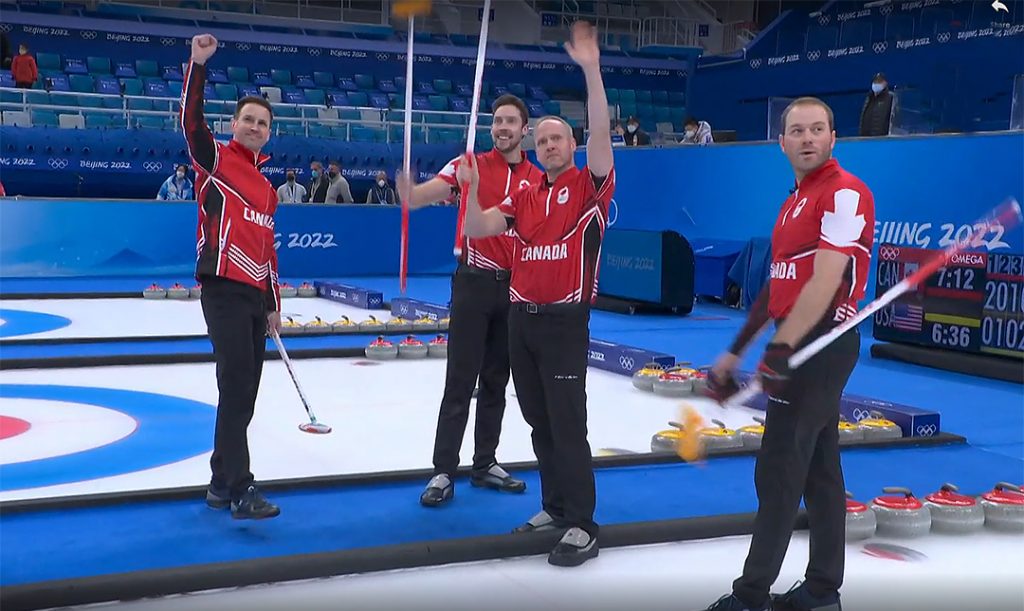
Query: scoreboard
[{"x": 975, "y": 304}]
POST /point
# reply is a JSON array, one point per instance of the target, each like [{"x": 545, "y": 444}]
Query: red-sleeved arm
[
  {"x": 273, "y": 294},
  {"x": 35, "y": 69},
  {"x": 201, "y": 145}
]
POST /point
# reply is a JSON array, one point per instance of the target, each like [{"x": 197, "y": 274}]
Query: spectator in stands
[
  {"x": 382, "y": 192},
  {"x": 24, "y": 69},
  {"x": 319, "y": 184},
  {"x": 338, "y": 192},
  {"x": 291, "y": 192},
  {"x": 177, "y": 187},
  {"x": 874, "y": 117},
  {"x": 697, "y": 132},
  {"x": 634, "y": 135}
]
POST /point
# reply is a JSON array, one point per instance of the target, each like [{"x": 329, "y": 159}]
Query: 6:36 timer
[{"x": 953, "y": 336}]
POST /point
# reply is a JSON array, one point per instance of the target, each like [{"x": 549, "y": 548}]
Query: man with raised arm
[{"x": 558, "y": 226}]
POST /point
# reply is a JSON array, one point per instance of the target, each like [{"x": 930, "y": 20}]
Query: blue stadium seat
[
  {"x": 319, "y": 131},
  {"x": 339, "y": 131},
  {"x": 293, "y": 97},
  {"x": 132, "y": 86},
  {"x": 362, "y": 134},
  {"x": 262, "y": 79},
  {"x": 349, "y": 114},
  {"x": 677, "y": 97},
  {"x": 387, "y": 86},
  {"x": 286, "y": 111},
  {"x": 397, "y": 100},
  {"x": 125, "y": 70},
  {"x": 454, "y": 119},
  {"x": 146, "y": 67},
  {"x": 280, "y": 76},
  {"x": 380, "y": 100},
  {"x": 552, "y": 107},
  {"x": 81, "y": 83},
  {"x": 438, "y": 102},
  {"x": 112, "y": 102},
  {"x": 44, "y": 118},
  {"x": 6, "y": 80},
  {"x": 36, "y": 97},
  {"x": 517, "y": 89},
  {"x": 442, "y": 85},
  {"x": 238, "y": 74},
  {"x": 358, "y": 98},
  {"x": 645, "y": 111},
  {"x": 643, "y": 96},
  {"x": 420, "y": 102},
  {"x": 627, "y": 96},
  {"x": 10, "y": 97},
  {"x": 536, "y": 109},
  {"x": 246, "y": 90},
  {"x": 98, "y": 120},
  {"x": 347, "y": 84},
  {"x": 48, "y": 61},
  {"x": 538, "y": 93},
  {"x": 662, "y": 114},
  {"x": 315, "y": 96},
  {"x": 98, "y": 65},
  {"x": 323, "y": 79},
  {"x": 339, "y": 98},
  {"x": 54, "y": 83},
  {"x": 678, "y": 114},
  {"x": 484, "y": 140},
  {"x": 140, "y": 104},
  {"x": 148, "y": 122},
  {"x": 499, "y": 90},
  {"x": 459, "y": 104},
  {"x": 659, "y": 97},
  {"x": 226, "y": 91},
  {"x": 108, "y": 85},
  {"x": 209, "y": 92},
  {"x": 425, "y": 87},
  {"x": 305, "y": 81},
  {"x": 158, "y": 90},
  {"x": 75, "y": 66},
  {"x": 217, "y": 76},
  {"x": 364, "y": 81},
  {"x": 464, "y": 90},
  {"x": 627, "y": 109},
  {"x": 612, "y": 94}
]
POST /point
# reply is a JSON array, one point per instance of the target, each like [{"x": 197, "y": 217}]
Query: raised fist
[{"x": 203, "y": 48}]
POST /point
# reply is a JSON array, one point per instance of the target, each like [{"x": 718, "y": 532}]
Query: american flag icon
[{"x": 908, "y": 317}]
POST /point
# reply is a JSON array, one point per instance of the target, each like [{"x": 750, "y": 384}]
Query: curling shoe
[
  {"x": 575, "y": 547},
  {"x": 217, "y": 498},
  {"x": 439, "y": 490},
  {"x": 798, "y": 598},
  {"x": 496, "y": 478},
  {"x": 252, "y": 505},
  {"x": 541, "y": 522},
  {"x": 730, "y": 602}
]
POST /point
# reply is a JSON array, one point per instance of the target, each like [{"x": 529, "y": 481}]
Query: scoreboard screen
[{"x": 974, "y": 304}]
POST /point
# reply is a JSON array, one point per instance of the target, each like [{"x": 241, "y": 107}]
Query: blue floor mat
[{"x": 153, "y": 535}]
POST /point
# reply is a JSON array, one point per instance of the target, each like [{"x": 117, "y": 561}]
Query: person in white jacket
[
  {"x": 177, "y": 187},
  {"x": 291, "y": 192}
]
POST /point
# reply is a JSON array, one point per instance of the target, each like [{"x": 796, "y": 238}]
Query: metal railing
[
  {"x": 333, "y": 12},
  {"x": 669, "y": 32},
  {"x": 220, "y": 112}
]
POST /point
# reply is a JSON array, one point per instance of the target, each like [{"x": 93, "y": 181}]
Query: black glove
[
  {"x": 721, "y": 388},
  {"x": 774, "y": 371}
]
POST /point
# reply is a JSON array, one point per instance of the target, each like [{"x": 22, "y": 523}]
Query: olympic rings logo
[
  {"x": 824, "y": 19},
  {"x": 88, "y": 34},
  {"x": 926, "y": 430},
  {"x": 168, "y": 42},
  {"x": 403, "y": 309},
  {"x": 152, "y": 166},
  {"x": 242, "y": 46},
  {"x": 447, "y": 60},
  {"x": 6, "y": 27},
  {"x": 755, "y": 63},
  {"x": 374, "y": 301},
  {"x": 860, "y": 414},
  {"x": 880, "y": 47},
  {"x": 58, "y": 164},
  {"x": 314, "y": 51},
  {"x": 814, "y": 55},
  {"x": 885, "y": 10},
  {"x": 381, "y": 57},
  {"x": 888, "y": 253},
  {"x": 627, "y": 362},
  {"x": 943, "y": 36},
  {"x": 613, "y": 205}
]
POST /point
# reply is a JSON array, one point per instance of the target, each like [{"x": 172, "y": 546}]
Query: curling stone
[
  {"x": 751, "y": 434},
  {"x": 1004, "y": 508},
  {"x": 398, "y": 324},
  {"x": 412, "y": 348},
  {"x": 176, "y": 291},
  {"x": 849, "y": 432},
  {"x": 372, "y": 324},
  {"x": 674, "y": 383},
  {"x": 901, "y": 516},
  {"x": 287, "y": 290},
  {"x": 442, "y": 325},
  {"x": 877, "y": 427},
  {"x": 424, "y": 324},
  {"x": 438, "y": 347},
  {"x": 317, "y": 325},
  {"x": 306, "y": 290},
  {"x": 953, "y": 512},
  {"x": 290, "y": 327},
  {"x": 154, "y": 292},
  {"x": 720, "y": 437},
  {"x": 381, "y": 350},
  {"x": 665, "y": 441},
  {"x": 644, "y": 377},
  {"x": 700, "y": 381},
  {"x": 344, "y": 325},
  {"x": 860, "y": 520},
  {"x": 196, "y": 292}
]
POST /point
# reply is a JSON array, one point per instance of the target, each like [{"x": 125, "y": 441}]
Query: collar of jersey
[
  {"x": 565, "y": 176},
  {"x": 496, "y": 155},
  {"x": 258, "y": 159},
  {"x": 826, "y": 168}
]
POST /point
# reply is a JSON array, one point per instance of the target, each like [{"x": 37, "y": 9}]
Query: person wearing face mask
[
  {"x": 24, "y": 69},
  {"x": 381, "y": 192},
  {"x": 877, "y": 111},
  {"x": 697, "y": 132},
  {"x": 338, "y": 192},
  {"x": 635, "y": 136},
  {"x": 177, "y": 187},
  {"x": 291, "y": 192},
  {"x": 318, "y": 184}
]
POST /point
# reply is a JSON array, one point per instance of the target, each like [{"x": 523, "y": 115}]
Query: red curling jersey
[
  {"x": 558, "y": 230},
  {"x": 498, "y": 180},
  {"x": 831, "y": 209}
]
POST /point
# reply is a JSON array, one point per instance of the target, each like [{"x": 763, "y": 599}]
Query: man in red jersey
[
  {"x": 821, "y": 253},
  {"x": 237, "y": 266},
  {"x": 478, "y": 330},
  {"x": 558, "y": 227}
]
